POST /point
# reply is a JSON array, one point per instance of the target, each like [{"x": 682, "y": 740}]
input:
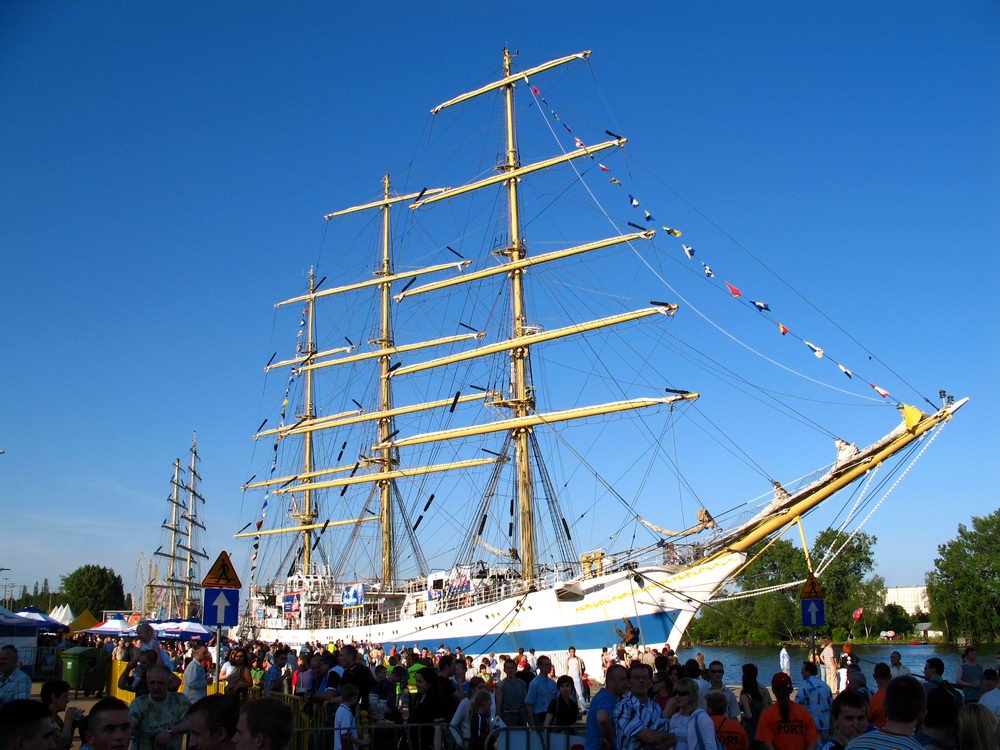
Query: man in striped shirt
[
  {"x": 639, "y": 721},
  {"x": 904, "y": 707}
]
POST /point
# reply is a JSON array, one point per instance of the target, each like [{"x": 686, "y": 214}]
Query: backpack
[{"x": 697, "y": 730}]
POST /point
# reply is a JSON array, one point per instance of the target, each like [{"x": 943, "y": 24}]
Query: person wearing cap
[{"x": 785, "y": 725}]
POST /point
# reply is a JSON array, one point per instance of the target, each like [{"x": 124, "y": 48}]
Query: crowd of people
[{"x": 360, "y": 694}]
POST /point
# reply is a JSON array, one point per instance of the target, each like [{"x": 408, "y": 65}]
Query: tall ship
[
  {"x": 448, "y": 430},
  {"x": 172, "y": 590}
]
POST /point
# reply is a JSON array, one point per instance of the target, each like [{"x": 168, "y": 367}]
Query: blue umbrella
[{"x": 45, "y": 623}]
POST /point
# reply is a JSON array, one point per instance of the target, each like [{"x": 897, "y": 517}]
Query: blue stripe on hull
[{"x": 653, "y": 628}]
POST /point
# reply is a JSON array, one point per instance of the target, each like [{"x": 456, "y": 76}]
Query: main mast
[
  {"x": 191, "y": 516},
  {"x": 307, "y": 516},
  {"x": 522, "y": 401},
  {"x": 385, "y": 343}
]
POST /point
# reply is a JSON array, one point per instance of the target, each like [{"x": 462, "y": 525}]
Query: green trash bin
[
  {"x": 95, "y": 678},
  {"x": 86, "y": 668},
  {"x": 74, "y": 662}
]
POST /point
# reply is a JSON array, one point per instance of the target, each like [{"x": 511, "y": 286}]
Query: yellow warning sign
[
  {"x": 222, "y": 574},
  {"x": 812, "y": 590}
]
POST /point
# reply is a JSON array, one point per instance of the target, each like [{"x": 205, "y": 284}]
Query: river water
[{"x": 766, "y": 658}]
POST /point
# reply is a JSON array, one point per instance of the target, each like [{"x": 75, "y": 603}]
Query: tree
[
  {"x": 95, "y": 588},
  {"x": 869, "y": 596},
  {"x": 843, "y": 580},
  {"x": 895, "y": 618},
  {"x": 964, "y": 587}
]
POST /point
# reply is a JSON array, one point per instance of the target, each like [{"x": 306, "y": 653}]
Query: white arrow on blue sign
[
  {"x": 813, "y": 613},
  {"x": 221, "y": 608}
]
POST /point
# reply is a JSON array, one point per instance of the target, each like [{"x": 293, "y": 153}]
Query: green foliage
[
  {"x": 776, "y": 616},
  {"x": 95, "y": 588},
  {"x": 964, "y": 587},
  {"x": 895, "y": 618},
  {"x": 42, "y": 599}
]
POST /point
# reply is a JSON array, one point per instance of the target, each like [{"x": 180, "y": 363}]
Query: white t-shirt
[
  {"x": 687, "y": 729},
  {"x": 343, "y": 723}
]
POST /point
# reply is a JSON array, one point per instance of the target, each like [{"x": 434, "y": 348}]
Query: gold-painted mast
[
  {"x": 307, "y": 515},
  {"x": 191, "y": 516},
  {"x": 174, "y": 528},
  {"x": 385, "y": 343},
  {"x": 522, "y": 402}
]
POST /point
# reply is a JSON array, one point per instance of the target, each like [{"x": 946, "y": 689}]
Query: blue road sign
[
  {"x": 813, "y": 613},
  {"x": 221, "y": 608}
]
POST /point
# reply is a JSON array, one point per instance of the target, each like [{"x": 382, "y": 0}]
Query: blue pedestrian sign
[
  {"x": 221, "y": 608},
  {"x": 813, "y": 613}
]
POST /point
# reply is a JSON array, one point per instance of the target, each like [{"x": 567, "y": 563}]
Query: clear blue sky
[{"x": 164, "y": 167}]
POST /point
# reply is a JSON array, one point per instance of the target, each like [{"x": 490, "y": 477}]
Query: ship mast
[
  {"x": 172, "y": 556},
  {"x": 191, "y": 516},
  {"x": 522, "y": 401},
  {"x": 385, "y": 343},
  {"x": 307, "y": 516}
]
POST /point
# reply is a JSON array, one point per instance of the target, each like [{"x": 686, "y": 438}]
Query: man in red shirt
[
  {"x": 876, "y": 707},
  {"x": 785, "y": 725}
]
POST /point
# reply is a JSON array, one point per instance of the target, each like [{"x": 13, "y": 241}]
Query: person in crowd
[
  {"x": 690, "y": 725},
  {"x": 55, "y": 697},
  {"x": 149, "y": 642},
  {"x": 511, "y": 694},
  {"x": 969, "y": 676},
  {"x": 195, "y": 676},
  {"x": 934, "y": 679},
  {"x": 356, "y": 674},
  {"x": 541, "y": 692},
  {"x": 785, "y": 725},
  {"x": 14, "y": 684},
  {"x": 857, "y": 682},
  {"x": 977, "y": 728},
  {"x": 848, "y": 719},
  {"x": 264, "y": 724},
  {"x": 563, "y": 710},
  {"x": 896, "y": 666},
  {"x": 27, "y": 725},
  {"x": 256, "y": 671},
  {"x": 606, "y": 661},
  {"x": 904, "y": 707},
  {"x": 600, "y": 730},
  {"x": 449, "y": 691},
  {"x": 211, "y": 723},
  {"x": 940, "y": 721},
  {"x": 108, "y": 725},
  {"x": 716, "y": 673},
  {"x": 428, "y": 708},
  {"x": 876, "y": 704},
  {"x": 575, "y": 668},
  {"x": 345, "y": 725},
  {"x": 158, "y": 717},
  {"x": 461, "y": 721},
  {"x": 240, "y": 678},
  {"x": 301, "y": 677},
  {"x": 828, "y": 656},
  {"x": 661, "y": 689},
  {"x": 693, "y": 672},
  {"x": 785, "y": 661},
  {"x": 991, "y": 692},
  {"x": 815, "y": 695},
  {"x": 702, "y": 669},
  {"x": 728, "y": 731},
  {"x": 480, "y": 723},
  {"x": 639, "y": 722},
  {"x": 754, "y": 698},
  {"x": 847, "y": 660},
  {"x": 276, "y": 679}
]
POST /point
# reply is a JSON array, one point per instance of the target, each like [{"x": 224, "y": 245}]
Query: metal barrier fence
[{"x": 526, "y": 738}]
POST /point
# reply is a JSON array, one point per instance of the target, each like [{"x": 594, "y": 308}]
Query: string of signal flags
[{"x": 763, "y": 309}]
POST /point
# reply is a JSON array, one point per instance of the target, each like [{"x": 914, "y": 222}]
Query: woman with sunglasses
[{"x": 691, "y": 725}]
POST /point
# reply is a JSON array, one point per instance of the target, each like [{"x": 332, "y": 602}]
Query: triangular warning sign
[
  {"x": 811, "y": 590},
  {"x": 222, "y": 574}
]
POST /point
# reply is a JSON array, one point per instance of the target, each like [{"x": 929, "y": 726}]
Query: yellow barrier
[{"x": 302, "y": 721}]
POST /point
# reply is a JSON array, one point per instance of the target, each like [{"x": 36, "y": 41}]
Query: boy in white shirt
[{"x": 345, "y": 726}]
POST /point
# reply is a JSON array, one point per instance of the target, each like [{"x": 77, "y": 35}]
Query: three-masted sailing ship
[
  {"x": 516, "y": 577},
  {"x": 175, "y": 594}
]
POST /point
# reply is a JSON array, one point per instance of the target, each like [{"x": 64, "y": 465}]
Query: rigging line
[
  {"x": 684, "y": 299},
  {"x": 599, "y": 360},
  {"x": 861, "y": 495},
  {"x": 783, "y": 281},
  {"x": 680, "y": 495}
]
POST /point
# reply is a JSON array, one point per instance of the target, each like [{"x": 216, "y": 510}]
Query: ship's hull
[{"x": 591, "y": 613}]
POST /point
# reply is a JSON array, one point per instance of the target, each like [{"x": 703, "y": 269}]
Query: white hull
[{"x": 583, "y": 614}]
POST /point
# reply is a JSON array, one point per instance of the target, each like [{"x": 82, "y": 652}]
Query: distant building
[{"x": 911, "y": 598}]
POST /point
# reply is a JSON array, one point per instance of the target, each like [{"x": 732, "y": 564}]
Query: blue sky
[{"x": 165, "y": 168}]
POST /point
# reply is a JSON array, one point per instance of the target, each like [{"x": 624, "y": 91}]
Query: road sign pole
[{"x": 218, "y": 660}]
